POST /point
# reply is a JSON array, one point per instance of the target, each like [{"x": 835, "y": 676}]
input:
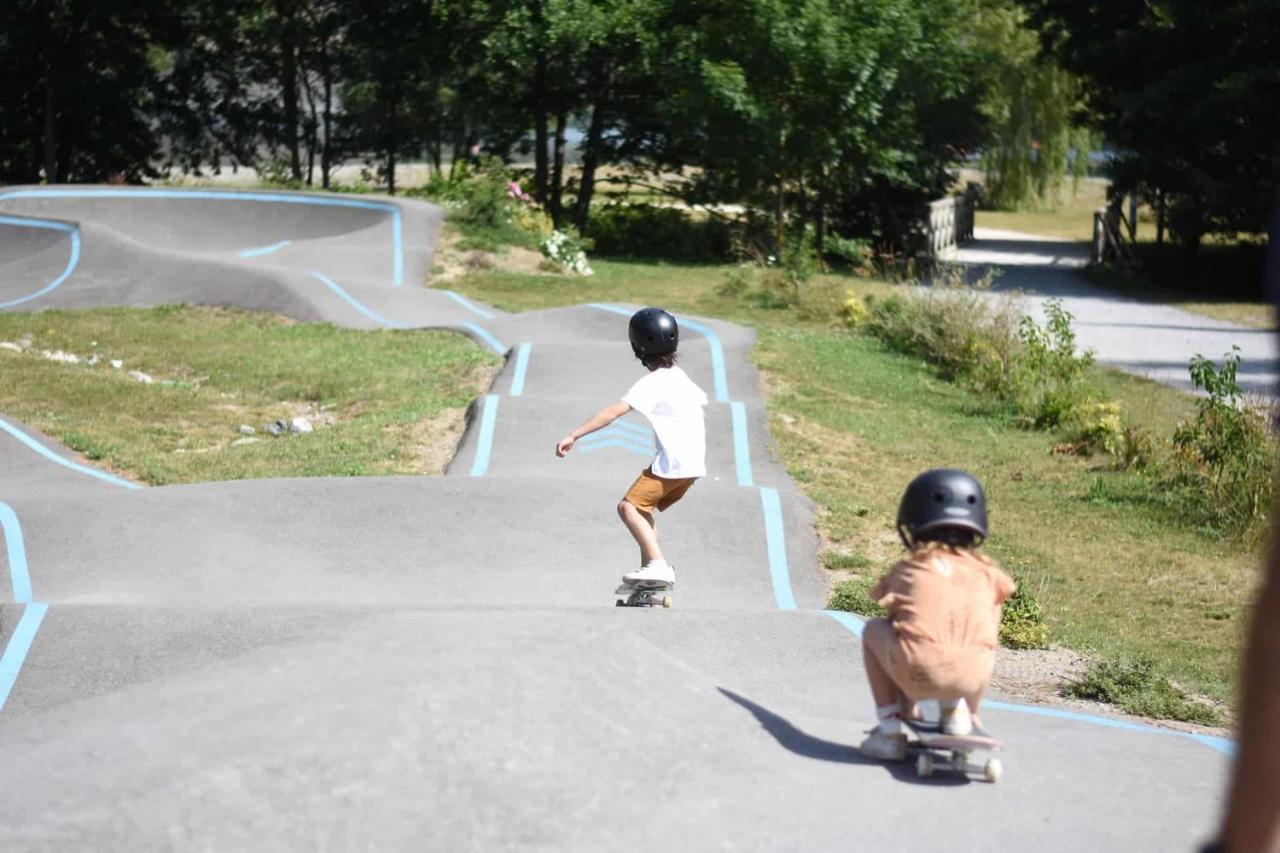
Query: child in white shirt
[{"x": 673, "y": 404}]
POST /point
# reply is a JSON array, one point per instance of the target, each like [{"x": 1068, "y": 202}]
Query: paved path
[
  {"x": 436, "y": 662},
  {"x": 1145, "y": 338}
]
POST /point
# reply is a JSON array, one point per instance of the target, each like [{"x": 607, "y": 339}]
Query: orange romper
[{"x": 944, "y": 606}]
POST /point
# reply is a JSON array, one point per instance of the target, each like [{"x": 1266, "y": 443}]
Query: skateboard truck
[{"x": 643, "y": 596}]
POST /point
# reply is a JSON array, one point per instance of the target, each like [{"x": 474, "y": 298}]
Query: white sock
[
  {"x": 656, "y": 564},
  {"x": 890, "y": 717}
]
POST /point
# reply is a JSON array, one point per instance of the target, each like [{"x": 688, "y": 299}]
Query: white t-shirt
[{"x": 673, "y": 404}]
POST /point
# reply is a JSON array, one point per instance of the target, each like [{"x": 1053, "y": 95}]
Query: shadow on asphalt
[{"x": 806, "y": 745}]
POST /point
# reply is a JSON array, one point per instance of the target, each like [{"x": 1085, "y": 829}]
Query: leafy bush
[
  {"x": 567, "y": 251},
  {"x": 1135, "y": 686},
  {"x": 1022, "y": 621},
  {"x": 1224, "y": 459},
  {"x": 854, "y": 312},
  {"x": 649, "y": 231},
  {"x": 953, "y": 324},
  {"x": 858, "y": 254},
  {"x": 853, "y": 596},
  {"x": 488, "y": 207},
  {"x": 1048, "y": 382}
]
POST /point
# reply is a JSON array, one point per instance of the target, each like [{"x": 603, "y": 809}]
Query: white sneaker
[
  {"x": 956, "y": 720},
  {"x": 884, "y": 747},
  {"x": 657, "y": 573}
]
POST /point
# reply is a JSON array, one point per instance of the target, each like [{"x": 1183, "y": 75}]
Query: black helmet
[
  {"x": 942, "y": 499},
  {"x": 653, "y": 332}
]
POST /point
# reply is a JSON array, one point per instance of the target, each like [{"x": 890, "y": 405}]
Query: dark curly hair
[{"x": 654, "y": 362}]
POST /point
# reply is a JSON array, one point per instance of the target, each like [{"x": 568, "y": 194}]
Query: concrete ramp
[{"x": 438, "y": 662}]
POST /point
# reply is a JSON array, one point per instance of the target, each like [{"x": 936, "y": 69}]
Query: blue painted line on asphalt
[
  {"x": 775, "y": 538},
  {"x": 718, "y": 373},
  {"x": 66, "y": 463},
  {"x": 355, "y": 303},
  {"x": 636, "y": 429},
  {"x": 1222, "y": 745},
  {"x": 16, "y": 551},
  {"x": 72, "y": 261},
  {"x": 264, "y": 250},
  {"x": 588, "y": 447},
  {"x": 397, "y": 236},
  {"x": 483, "y": 334},
  {"x": 15, "y": 652},
  {"x": 522, "y": 367},
  {"x": 741, "y": 449},
  {"x": 484, "y": 445},
  {"x": 468, "y": 304}
]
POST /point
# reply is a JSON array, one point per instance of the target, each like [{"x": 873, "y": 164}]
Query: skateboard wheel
[
  {"x": 619, "y": 603},
  {"x": 924, "y": 765},
  {"x": 992, "y": 770},
  {"x": 666, "y": 601}
]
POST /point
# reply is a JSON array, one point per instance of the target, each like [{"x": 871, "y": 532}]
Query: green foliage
[
  {"x": 649, "y": 231},
  {"x": 1135, "y": 686},
  {"x": 488, "y": 207},
  {"x": 1224, "y": 460},
  {"x": 853, "y": 596},
  {"x": 1022, "y": 623},
  {"x": 1048, "y": 379},
  {"x": 1034, "y": 108},
  {"x": 1186, "y": 93}
]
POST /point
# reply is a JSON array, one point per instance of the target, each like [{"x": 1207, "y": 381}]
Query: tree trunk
[
  {"x": 540, "y": 128},
  {"x": 313, "y": 125},
  {"x": 50, "y": 137},
  {"x": 820, "y": 221},
  {"x": 590, "y": 158},
  {"x": 557, "y": 176},
  {"x": 326, "y": 151},
  {"x": 1159, "y": 217},
  {"x": 779, "y": 205},
  {"x": 286, "y": 13}
]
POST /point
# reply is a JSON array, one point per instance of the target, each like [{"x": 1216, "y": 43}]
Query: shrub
[
  {"x": 649, "y": 231},
  {"x": 854, "y": 311},
  {"x": 858, "y": 254},
  {"x": 488, "y": 206},
  {"x": 1048, "y": 382},
  {"x": 1224, "y": 459},
  {"x": 955, "y": 325},
  {"x": 1135, "y": 686},
  {"x": 1022, "y": 621},
  {"x": 853, "y": 596},
  {"x": 567, "y": 251}
]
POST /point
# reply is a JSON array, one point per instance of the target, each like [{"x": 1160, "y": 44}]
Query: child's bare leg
[
  {"x": 972, "y": 700},
  {"x": 883, "y": 688},
  {"x": 643, "y": 528}
]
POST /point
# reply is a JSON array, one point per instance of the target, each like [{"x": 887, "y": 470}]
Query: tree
[{"x": 1186, "y": 95}]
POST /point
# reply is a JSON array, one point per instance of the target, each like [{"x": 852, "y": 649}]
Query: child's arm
[{"x": 599, "y": 420}]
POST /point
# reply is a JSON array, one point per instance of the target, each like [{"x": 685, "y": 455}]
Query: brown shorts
[
  {"x": 649, "y": 492},
  {"x": 925, "y": 670}
]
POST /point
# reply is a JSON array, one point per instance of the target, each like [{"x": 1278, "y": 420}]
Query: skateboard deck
[
  {"x": 644, "y": 595},
  {"x": 937, "y": 751}
]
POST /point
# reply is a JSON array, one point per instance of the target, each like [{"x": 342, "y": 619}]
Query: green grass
[
  {"x": 1136, "y": 687},
  {"x": 855, "y": 423},
  {"x": 396, "y": 397}
]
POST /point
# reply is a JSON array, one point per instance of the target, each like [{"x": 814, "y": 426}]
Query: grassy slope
[
  {"x": 393, "y": 394},
  {"x": 854, "y": 423}
]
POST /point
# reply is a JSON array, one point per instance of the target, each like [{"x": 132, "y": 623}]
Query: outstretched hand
[{"x": 564, "y": 445}]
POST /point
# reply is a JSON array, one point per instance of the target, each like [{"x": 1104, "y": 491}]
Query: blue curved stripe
[
  {"x": 615, "y": 442},
  {"x": 17, "y": 554},
  {"x": 483, "y": 334},
  {"x": 264, "y": 250},
  {"x": 66, "y": 463},
  {"x": 15, "y": 653},
  {"x": 638, "y": 430},
  {"x": 484, "y": 445},
  {"x": 776, "y": 541},
  {"x": 466, "y": 303},
  {"x": 355, "y": 303},
  {"x": 741, "y": 450},
  {"x": 522, "y": 367},
  {"x": 72, "y": 261},
  {"x": 397, "y": 230}
]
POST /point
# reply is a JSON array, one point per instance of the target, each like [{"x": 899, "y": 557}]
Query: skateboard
[
  {"x": 644, "y": 595},
  {"x": 937, "y": 751}
]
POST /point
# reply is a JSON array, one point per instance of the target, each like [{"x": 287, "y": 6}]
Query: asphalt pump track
[{"x": 436, "y": 662}]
